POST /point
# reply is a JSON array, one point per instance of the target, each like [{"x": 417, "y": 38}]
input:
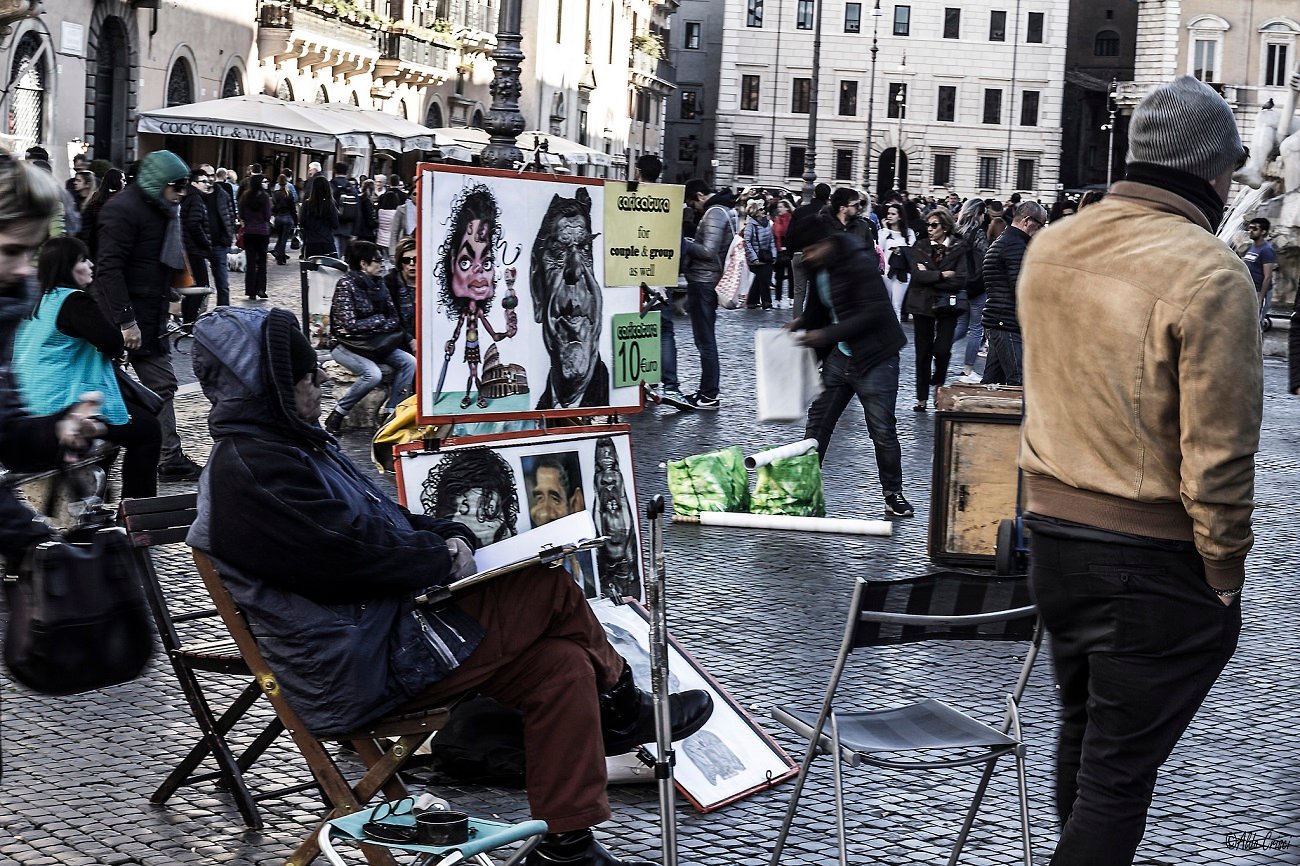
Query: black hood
[
  {"x": 721, "y": 198},
  {"x": 242, "y": 360}
]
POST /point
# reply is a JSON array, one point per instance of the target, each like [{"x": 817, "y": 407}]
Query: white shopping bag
[{"x": 786, "y": 375}]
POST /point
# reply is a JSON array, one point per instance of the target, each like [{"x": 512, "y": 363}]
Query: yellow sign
[{"x": 643, "y": 234}]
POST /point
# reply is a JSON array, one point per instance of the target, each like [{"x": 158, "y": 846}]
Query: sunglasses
[
  {"x": 406, "y": 260},
  {"x": 934, "y": 225},
  {"x": 180, "y": 183}
]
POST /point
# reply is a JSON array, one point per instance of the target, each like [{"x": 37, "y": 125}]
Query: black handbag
[
  {"x": 135, "y": 393},
  {"x": 77, "y": 615},
  {"x": 376, "y": 347},
  {"x": 944, "y": 303}
]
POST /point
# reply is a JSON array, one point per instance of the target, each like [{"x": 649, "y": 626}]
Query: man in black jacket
[
  {"x": 849, "y": 320},
  {"x": 140, "y": 249},
  {"x": 1001, "y": 273},
  {"x": 221, "y": 227},
  {"x": 197, "y": 231},
  {"x": 802, "y": 230},
  {"x": 327, "y": 568}
]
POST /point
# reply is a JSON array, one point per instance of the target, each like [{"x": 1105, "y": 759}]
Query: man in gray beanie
[{"x": 1143, "y": 397}]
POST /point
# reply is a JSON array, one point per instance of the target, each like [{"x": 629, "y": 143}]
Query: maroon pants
[{"x": 546, "y": 655}]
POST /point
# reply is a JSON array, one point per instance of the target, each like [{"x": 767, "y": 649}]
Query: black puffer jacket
[
  {"x": 323, "y": 563},
  {"x": 866, "y": 315},
  {"x": 131, "y": 284},
  {"x": 196, "y": 226},
  {"x": 1001, "y": 273}
]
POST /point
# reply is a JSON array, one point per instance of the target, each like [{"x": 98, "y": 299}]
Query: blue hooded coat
[{"x": 323, "y": 564}]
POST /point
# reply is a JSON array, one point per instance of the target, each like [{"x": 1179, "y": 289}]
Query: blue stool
[{"x": 485, "y": 836}]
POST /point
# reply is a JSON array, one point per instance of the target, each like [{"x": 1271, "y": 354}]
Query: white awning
[{"x": 570, "y": 151}]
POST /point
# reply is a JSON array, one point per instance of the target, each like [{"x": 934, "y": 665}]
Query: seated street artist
[{"x": 326, "y": 567}]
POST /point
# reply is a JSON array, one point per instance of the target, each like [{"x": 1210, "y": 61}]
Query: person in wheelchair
[{"x": 326, "y": 568}]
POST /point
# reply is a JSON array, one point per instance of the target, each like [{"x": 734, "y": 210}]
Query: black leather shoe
[
  {"x": 334, "y": 421},
  {"x": 577, "y": 848},
  {"x": 627, "y": 715}
]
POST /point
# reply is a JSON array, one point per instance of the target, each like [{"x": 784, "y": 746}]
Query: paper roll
[
  {"x": 844, "y": 526},
  {"x": 794, "y": 449}
]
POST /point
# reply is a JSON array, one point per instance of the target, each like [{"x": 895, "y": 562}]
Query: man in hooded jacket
[{"x": 326, "y": 568}]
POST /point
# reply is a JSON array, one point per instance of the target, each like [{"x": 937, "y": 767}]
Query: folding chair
[
  {"x": 941, "y": 606},
  {"x": 196, "y": 642},
  {"x": 383, "y": 761}
]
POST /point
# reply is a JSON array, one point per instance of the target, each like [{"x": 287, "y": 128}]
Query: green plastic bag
[
  {"x": 790, "y": 486},
  {"x": 716, "y": 481}
]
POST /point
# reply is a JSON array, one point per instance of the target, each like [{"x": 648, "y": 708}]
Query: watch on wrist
[{"x": 1228, "y": 593}]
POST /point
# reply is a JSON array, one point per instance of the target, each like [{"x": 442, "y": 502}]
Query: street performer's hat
[{"x": 1186, "y": 125}]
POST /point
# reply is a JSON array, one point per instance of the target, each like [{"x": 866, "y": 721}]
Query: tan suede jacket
[{"x": 1143, "y": 376}]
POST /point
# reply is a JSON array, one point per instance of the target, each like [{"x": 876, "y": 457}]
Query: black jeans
[
  {"x": 933, "y": 346},
  {"x": 1138, "y": 639},
  {"x": 760, "y": 292},
  {"x": 255, "y": 264},
  {"x": 702, "y": 304},
  {"x": 782, "y": 273},
  {"x": 1006, "y": 358},
  {"x": 877, "y": 391}
]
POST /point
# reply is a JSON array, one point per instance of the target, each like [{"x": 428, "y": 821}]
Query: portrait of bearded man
[{"x": 568, "y": 304}]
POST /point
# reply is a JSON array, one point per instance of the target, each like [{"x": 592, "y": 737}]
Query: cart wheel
[
  {"x": 1004, "y": 559},
  {"x": 1266, "y": 324}
]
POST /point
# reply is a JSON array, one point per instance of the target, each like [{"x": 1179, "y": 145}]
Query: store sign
[
  {"x": 643, "y": 234},
  {"x": 636, "y": 349},
  {"x": 241, "y": 132}
]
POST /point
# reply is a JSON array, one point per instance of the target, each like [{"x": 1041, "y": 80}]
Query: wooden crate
[{"x": 975, "y": 478}]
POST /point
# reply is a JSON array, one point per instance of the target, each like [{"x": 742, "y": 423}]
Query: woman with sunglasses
[
  {"x": 940, "y": 265},
  {"x": 400, "y": 282}
]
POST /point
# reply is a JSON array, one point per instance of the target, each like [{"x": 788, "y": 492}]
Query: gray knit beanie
[{"x": 1185, "y": 125}]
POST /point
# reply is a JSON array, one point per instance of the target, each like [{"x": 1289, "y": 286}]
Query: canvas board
[
  {"x": 730, "y": 757},
  {"x": 502, "y": 486},
  {"x": 513, "y": 311}
]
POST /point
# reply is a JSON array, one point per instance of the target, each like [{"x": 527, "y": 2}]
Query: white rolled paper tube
[
  {"x": 842, "y": 525},
  {"x": 771, "y": 455}
]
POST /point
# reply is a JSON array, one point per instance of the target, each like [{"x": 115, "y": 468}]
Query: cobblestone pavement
[{"x": 761, "y": 611}]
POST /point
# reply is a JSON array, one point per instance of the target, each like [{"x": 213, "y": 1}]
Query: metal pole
[
  {"x": 810, "y": 153},
  {"x": 504, "y": 120},
  {"x": 871, "y": 98},
  {"x": 1110, "y": 125},
  {"x": 658, "y": 601}
]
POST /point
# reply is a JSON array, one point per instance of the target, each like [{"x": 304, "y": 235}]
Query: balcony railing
[
  {"x": 349, "y": 25},
  {"x": 412, "y": 49}
]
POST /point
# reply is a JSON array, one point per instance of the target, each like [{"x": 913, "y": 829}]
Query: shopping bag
[
  {"x": 715, "y": 481},
  {"x": 785, "y": 374},
  {"x": 792, "y": 485},
  {"x": 733, "y": 286}
]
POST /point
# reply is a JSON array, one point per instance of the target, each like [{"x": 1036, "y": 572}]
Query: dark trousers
[
  {"x": 546, "y": 655},
  {"x": 877, "y": 391},
  {"x": 155, "y": 372},
  {"x": 760, "y": 291},
  {"x": 702, "y": 304},
  {"x": 1006, "y": 358},
  {"x": 255, "y": 247},
  {"x": 667, "y": 344},
  {"x": 782, "y": 273},
  {"x": 192, "y": 305},
  {"x": 1138, "y": 639},
  {"x": 221, "y": 275},
  {"x": 141, "y": 438},
  {"x": 317, "y": 248},
  {"x": 283, "y": 232},
  {"x": 933, "y": 347}
]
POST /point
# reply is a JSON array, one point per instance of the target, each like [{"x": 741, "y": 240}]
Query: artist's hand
[
  {"x": 462, "y": 558},
  {"x": 131, "y": 336},
  {"x": 82, "y": 424}
]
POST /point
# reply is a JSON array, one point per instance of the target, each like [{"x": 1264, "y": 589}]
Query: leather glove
[{"x": 462, "y": 558}]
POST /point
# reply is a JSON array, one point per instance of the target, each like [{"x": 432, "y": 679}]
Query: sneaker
[
  {"x": 699, "y": 401},
  {"x": 970, "y": 379},
  {"x": 673, "y": 397},
  {"x": 896, "y": 505},
  {"x": 180, "y": 469}
]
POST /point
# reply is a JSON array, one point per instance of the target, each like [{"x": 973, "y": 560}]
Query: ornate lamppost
[
  {"x": 810, "y": 153},
  {"x": 871, "y": 98},
  {"x": 504, "y": 120}
]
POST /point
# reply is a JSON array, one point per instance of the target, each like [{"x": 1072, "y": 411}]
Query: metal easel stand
[{"x": 667, "y": 758}]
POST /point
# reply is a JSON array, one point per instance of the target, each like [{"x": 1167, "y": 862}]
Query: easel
[{"x": 667, "y": 758}]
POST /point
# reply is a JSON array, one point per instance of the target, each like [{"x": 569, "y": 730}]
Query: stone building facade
[
  {"x": 965, "y": 97},
  {"x": 696, "y": 54},
  {"x": 1100, "y": 52}
]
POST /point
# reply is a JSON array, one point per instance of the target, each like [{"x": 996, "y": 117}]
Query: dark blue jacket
[
  {"x": 866, "y": 320},
  {"x": 323, "y": 563}
]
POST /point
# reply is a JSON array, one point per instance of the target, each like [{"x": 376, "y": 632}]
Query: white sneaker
[{"x": 970, "y": 379}]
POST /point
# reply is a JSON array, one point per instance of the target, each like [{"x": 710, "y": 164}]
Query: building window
[
  {"x": 992, "y": 105},
  {"x": 852, "y": 17},
  {"x": 902, "y": 20},
  {"x": 800, "y": 95},
  {"x": 988, "y": 173},
  {"x": 692, "y": 38},
  {"x": 849, "y": 98},
  {"x": 1205, "y": 57},
  {"x": 284, "y": 90},
  {"x": 942, "y": 169},
  {"x": 803, "y": 15},
  {"x": 1106, "y": 44},
  {"x": 754, "y": 14},
  {"x": 747, "y": 159},
  {"x": 233, "y": 85},
  {"x": 843, "y": 163},
  {"x": 897, "y": 100},
  {"x": 690, "y": 105},
  {"x": 951, "y": 23},
  {"x": 27, "y": 109},
  {"x": 1029, "y": 108},
  {"x": 1025, "y": 173},
  {"x": 1034, "y": 29},
  {"x": 795, "y": 164},
  {"x": 1276, "y": 68},
  {"x": 749, "y": 93},
  {"x": 947, "y": 104},
  {"x": 997, "y": 26}
]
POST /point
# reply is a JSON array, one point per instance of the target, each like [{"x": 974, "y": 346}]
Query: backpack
[{"x": 349, "y": 208}]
